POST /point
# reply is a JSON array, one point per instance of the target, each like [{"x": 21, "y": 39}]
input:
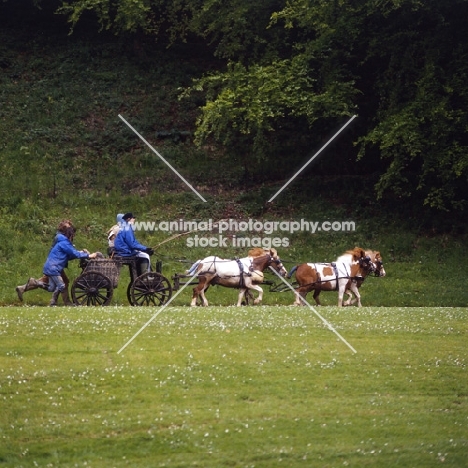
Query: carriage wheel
[
  {"x": 92, "y": 289},
  {"x": 129, "y": 293},
  {"x": 150, "y": 288}
]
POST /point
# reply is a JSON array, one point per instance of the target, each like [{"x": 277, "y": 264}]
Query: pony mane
[
  {"x": 374, "y": 255},
  {"x": 358, "y": 253},
  {"x": 355, "y": 254},
  {"x": 257, "y": 252}
]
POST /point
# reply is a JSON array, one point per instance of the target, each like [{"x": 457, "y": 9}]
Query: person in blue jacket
[
  {"x": 61, "y": 253},
  {"x": 126, "y": 245},
  {"x": 43, "y": 282}
]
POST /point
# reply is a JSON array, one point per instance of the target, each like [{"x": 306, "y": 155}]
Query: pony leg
[
  {"x": 198, "y": 291},
  {"x": 202, "y": 295},
  {"x": 350, "y": 297},
  {"x": 300, "y": 292},
  {"x": 243, "y": 291},
  {"x": 297, "y": 300},
  {"x": 241, "y": 296},
  {"x": 355, "y": 290},
  {"x": 350, "y": 300},
  {"x": 341, "y": 291},
  {"x": 260, "y": 293},
  {"x": 248, "y": 297},
  {"x": 195, "y": 295},
  {"x": 316, "y": 297}
]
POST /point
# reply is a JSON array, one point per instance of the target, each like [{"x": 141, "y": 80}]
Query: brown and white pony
[
  {"x": 346, "y": 274},
  {"x": 243, "y": 273},
  {"x": 376, "y": 259}
]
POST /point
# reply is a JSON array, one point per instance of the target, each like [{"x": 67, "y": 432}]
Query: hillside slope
[{"x": 66, "y": 153}]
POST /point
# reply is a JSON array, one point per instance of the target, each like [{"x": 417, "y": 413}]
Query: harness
[
  {"x": 335, "y": 269},
  {"x": 241, "y": 274},
  {"x": 343, "y": 275},
  {"x": 336, "y": 273}
]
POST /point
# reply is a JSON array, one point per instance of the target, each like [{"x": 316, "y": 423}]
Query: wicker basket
[{"x": 107, "y": 267}]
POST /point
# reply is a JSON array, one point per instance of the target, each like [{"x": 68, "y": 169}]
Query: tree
[
  {"x": 403, "y": 66},
  {"x": 300, "y": 66},
  {"x": 169, "y": 19},
  {"x": 419, "y": 124}
]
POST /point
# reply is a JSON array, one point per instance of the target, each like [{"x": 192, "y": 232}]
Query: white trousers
[{"x": 146, "y": 256}]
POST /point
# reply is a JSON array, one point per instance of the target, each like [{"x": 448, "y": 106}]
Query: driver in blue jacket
[
  {"x": 62, "y": 251},
  {"x": 126, "y": 245}
]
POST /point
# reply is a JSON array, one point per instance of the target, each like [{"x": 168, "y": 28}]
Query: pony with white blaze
[
  {"x": 244, "y": 274},
  {"x": 346, "y": 274}
]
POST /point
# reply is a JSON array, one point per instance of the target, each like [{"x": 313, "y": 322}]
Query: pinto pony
[
  {"x": 376, "y": 259},
  {"x": 243, "y": 273},
  {"x": 344, "y": 275}
]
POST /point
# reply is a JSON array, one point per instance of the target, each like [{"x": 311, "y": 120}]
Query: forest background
[{"x": 237, "y": 96}]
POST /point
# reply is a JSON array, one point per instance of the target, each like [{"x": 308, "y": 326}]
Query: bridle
[
  {"x": 378, "y": 267},
  {"x": 371, "y": 266},
  {"x": 276, "y": 261},
  {"x": 278, "y": 264},
  {"x": 368, "y": 265}
]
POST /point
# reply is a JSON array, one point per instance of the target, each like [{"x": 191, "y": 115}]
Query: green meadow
[{"x": 233, "y": 387}]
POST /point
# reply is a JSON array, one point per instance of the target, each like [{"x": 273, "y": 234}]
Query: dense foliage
[{"x": 290, "y": 73}]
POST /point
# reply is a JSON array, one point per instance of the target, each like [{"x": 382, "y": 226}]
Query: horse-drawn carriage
[{"x": 100, "y": 276}]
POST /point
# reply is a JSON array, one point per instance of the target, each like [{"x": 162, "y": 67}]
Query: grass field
[{"x": 233, "y": 387}]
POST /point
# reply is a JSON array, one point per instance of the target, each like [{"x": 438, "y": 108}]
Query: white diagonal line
[
  {"x": 159, "y": 155},
  {"x": 312, "y": 158},
  {"x": 156, "y": 314},
  {"x": 328, "y": 324}
]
